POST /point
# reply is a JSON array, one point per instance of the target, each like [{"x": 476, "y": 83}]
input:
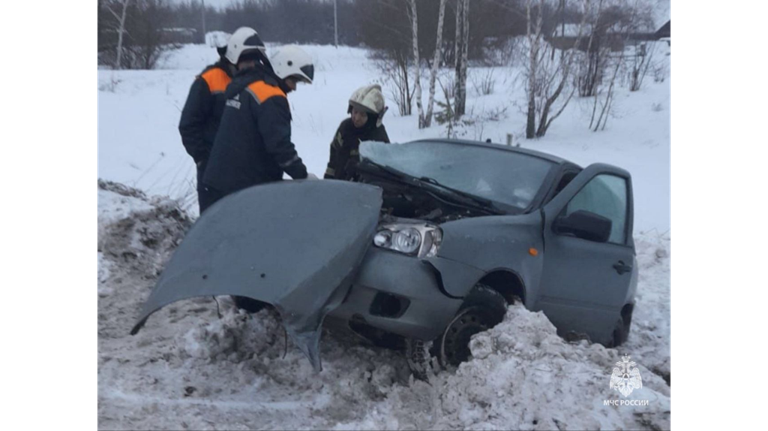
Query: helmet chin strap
[
  {"x": 283, "y": 86},
  {"x": 265, "y": 61}
]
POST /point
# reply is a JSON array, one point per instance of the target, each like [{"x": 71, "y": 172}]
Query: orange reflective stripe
[
  {"x": 263, "y": 91},
  {"x": 216, "y": 79}
]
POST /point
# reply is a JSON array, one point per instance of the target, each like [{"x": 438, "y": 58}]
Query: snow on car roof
[{"x": 495, "y": 146}]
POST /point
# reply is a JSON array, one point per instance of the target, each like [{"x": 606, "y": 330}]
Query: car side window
[{"x": 604, "y": 195}]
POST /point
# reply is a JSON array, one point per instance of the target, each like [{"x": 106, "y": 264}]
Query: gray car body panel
[
  {"x": 494, "y": 243},
  {"x": 296, "y": 245}
]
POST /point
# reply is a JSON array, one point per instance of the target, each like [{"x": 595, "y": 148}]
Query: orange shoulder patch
[
  {"x": 263, "y": 91},
  {"x": 216, "y": 79}
]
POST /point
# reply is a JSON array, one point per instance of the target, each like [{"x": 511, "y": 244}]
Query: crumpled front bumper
[{"x": 404, "y": 295}]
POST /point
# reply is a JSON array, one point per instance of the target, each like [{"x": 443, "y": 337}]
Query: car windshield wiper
[
  {"x": 387, "y": 169},
  {"x": 483, "y": 202},
  {"x": 459, "y": 197}
]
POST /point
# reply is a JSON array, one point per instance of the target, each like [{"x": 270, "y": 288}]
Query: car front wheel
[{"x": 482, "y": 309}]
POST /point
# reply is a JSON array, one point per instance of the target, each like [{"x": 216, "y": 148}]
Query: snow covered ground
[{"x": 190, "y": 369}]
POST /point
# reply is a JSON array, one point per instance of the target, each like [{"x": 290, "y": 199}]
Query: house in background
[{"x": 664, "y": 33}]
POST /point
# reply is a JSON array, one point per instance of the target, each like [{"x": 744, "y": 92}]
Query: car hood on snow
[{"x": 293, "y": 244}]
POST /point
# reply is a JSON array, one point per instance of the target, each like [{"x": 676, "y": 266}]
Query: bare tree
[
  {"x": 120, "y": 28},
  {"x": 461, "y": 52},
  {"x": 99, "y": 23},
  {"x": 614, "y": 28},
  {"x": 547, "y": 78},
  {"x": 416, "y": 61},
  {"x": 387, "y": 30},
  {"x": 642, "y": 59},
  {"x": 619, "y": 23},
  {"x": 135, "y": 34},
  {"x": 534, "y": 46},
  {"x": 394, "y": 66},
  {"x": 484, "y": 82},
  {"x": 593, "y": 63},
  {"x": 607, "y": 101},
  {"x": 438, "y": 57},
  {"x": 149, "y": 35}
]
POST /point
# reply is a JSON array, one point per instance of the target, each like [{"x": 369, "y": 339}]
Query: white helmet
[
  {"x": 370, "y": 99},
  {"x": 290, "y": 60},
  {"x": 243, "y": 40}
]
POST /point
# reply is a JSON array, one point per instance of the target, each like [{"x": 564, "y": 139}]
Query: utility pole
[
  {"x": 335, "y": 24},
  {"x": 204, "y": 32}
]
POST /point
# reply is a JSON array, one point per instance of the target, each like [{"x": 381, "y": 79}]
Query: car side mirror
[{"x": 585, "y": 225}]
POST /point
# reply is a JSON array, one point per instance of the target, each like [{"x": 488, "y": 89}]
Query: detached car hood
[{"x": 294, "y": 244}]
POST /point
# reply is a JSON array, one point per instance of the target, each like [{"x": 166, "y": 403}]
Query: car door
[{"x": 585, "y": 283}]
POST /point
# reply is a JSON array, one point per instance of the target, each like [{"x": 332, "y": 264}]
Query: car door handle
[{"x": 622, "y": 267}]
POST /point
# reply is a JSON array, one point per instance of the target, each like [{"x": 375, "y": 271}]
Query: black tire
[
  {"x": 620, "y": 333},
  {"x": 483, "y": 308},
  {"x": 248, "y": 304}
]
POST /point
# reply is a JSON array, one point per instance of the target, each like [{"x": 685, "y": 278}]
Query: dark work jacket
[{"x": 345, "y": 147}]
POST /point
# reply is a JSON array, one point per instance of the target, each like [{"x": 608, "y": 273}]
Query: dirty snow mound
[{"x": 138, "y": 232}]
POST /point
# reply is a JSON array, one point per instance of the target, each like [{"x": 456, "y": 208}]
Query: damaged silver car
[{"x": 430, "y": 246}]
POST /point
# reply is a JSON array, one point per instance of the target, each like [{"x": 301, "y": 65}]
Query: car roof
[{"x": 534, "y": 153}]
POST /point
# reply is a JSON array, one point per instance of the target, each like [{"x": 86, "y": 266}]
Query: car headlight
[{"x": 420, "y": 240}]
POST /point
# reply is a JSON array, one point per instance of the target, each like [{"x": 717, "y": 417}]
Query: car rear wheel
[{"x": 620, "y": 333}]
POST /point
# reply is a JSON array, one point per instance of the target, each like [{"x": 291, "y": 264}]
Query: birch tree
[
  {"x": 416, "y": 61},
  {"x": 462, "y": 50},
  {"x": 120, "y": 27},
  {"x": 436, "y": 60}
]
